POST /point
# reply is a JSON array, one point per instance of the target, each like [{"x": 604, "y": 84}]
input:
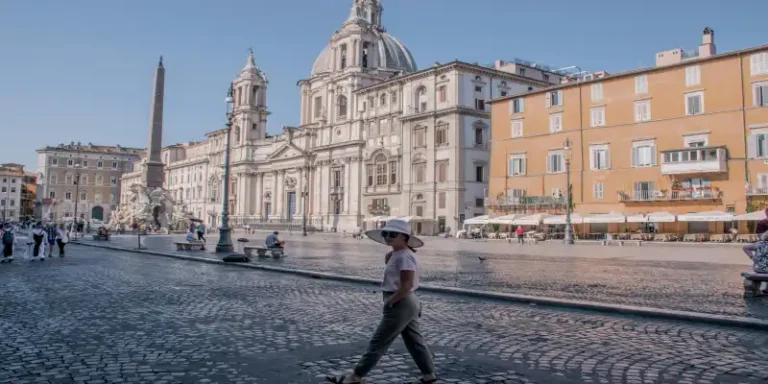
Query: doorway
[
  {"x": 291, "y": 201},
  {"x": 97, "y": 213}
]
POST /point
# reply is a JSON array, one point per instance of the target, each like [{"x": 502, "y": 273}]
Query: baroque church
[{"x": 378, "y": 138}]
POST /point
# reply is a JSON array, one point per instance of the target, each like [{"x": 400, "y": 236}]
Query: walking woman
[
  {"x": 402, "y": 308},
  {"x": 62, "y": 238},
  {"x": 38, "y": 235}
]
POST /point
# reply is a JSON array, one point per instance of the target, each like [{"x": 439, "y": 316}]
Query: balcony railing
[
  {"x": 511, "y": 201},
  {"x": 694, "y": 160},
  {"x": 661, "y": 195},
  {"x": 378, "y": 209},
  {"x": 758, "y": 191}
]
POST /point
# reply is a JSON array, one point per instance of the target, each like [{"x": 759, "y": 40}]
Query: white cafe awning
[
  {"x": 504, "y": 220},
  {"x": 652, "y": 217},
  {"x": 560, "y": 219},
  {"x": 531, "y": 219},
  {"x": 606, "y": 218},
  {"x": 479, "y": 220},
  {"x": 752, "y": 216},
  {"x": 706, "y": 216}
]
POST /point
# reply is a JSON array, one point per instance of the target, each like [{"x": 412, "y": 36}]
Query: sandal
[{"x": 340, "y": 380}]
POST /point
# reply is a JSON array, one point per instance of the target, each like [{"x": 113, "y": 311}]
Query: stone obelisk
[{"x": 152, "y": 175}]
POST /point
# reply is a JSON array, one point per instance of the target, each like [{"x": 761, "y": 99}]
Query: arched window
[
  {"x": 342, "y": 107},
  {"x": 254, "y": 96},
  {"x": 381, "y": 170},
  {"x": 237, "y": 135},
  {"x": 69, "y": 179},
  {"x": 383, "y": 100}
]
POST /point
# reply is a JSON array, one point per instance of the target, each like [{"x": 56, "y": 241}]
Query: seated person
[
  {"x": 102, "y": 231},
  {"x": 273, "y": 241},
  {"x": 191, "y": 236}
]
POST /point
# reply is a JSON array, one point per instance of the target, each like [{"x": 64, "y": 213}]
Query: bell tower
[{"x": 250, "y": 97}]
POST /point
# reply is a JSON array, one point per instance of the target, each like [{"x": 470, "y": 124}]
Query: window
[
  {"x": 480, "y": 104},
  {"x": 13, "y": 181},
  {"x": 521, "y": 71},
  {"x": 84, "y": 196},
  {"x": 421, "y": 99},
  {"x": 597, "y": 91},
  {"x": 478, "y": 88},
  {"x": 394, "y": 97},
  {"x": 694, "y": 103},
  {"x": 695, "y": 141},
  {"x": 516, "y": 165},
  {"x": 479, "y": 202},
  {"x": 555, "y": 122},
  {"x": 112, "y": 199},
  {"x": 555, "y": 162},
  {"x": 381, "y": 170},
  {"x": 557, "y": 193},
  {"x": 4, "y": 189},
  {"x": 517, "y": 128},
  {"x": 52, "y": 194},
  {"x": 13, "y": 189},
  {"x": 114, "y": 165},
  {"x": 641, "y": 84},
  {"x": 113, "y": 180},
  {"x": 99, "y": 164},
  {"x": 69, "y": 179},
  {"x": 692, "y": 75},
  {"x": 442, "y": 94},
  {"x": 642, "y": 110},
  {"x": 479, "y": 139},
  {"x": 54, "y": 161},
  {"x": 597, "y": 117},
  {"x": 393, "y": 172},
  {"x": 99, "y": 179},
  {"x": 85, "y": 164},
  {"x": 68, "y": 195},
  {"x": 13, "y": 203},
  {"x": 479, "y": 173},
  {"x": 554, "y": 98},
  {"x": 759, "y": 63},
  {"x": 419, "y": 172},
  {"x": 598, "y": 190},
  {"x": 442, "y": 171},
  {"x": 545, "y": 76},
  {"x": 383, "y": 100},
  {"x": 70, "y": 162},
  {"x": 758, "y": 145},
  {"x": 336, "y": 178},
  {"x": 342, "y": 107},
  {"x": 599, "y": 157},
  {"x": 516, "y": 106},
  {"x": 53, "y": 178},
  {"x": 419, "y": 137},
  {"x": 643, "y": 154},
  {"x": 441, "y": 200},
  {"x": 318, "y": 108},
  {"x": 441, "y": 134},
  {"x": 503, "y": 93},
  {"x": 343, "y": 54},
  {"x": 760, "y": 94}
]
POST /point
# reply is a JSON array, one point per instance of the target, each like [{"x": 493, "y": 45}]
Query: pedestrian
[
  {"x": 50, "y": 234},
  {"x": 200, "y": 231},
  {"x": 8, "y": 239},
  {"x": 519, "y": 233},
  {"x": 62, "y": 238},
  {"x": 39, "y": 237},
  {"x": 402, "y": 309}
]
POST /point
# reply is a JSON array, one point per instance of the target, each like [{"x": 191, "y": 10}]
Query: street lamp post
[
  {"x": 568, "y": 228},
  {"x": 225, "y": 237},
  {"x": 77, "y": 198}
]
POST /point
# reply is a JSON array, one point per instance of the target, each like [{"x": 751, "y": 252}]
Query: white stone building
[
  {"x": 10, "y": 191},
  {"x": 377, "y": 139},
  {"x": 99, "y": 169}
]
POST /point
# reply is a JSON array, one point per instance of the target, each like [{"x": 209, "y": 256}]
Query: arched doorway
[{"x": 97, "y": 213}]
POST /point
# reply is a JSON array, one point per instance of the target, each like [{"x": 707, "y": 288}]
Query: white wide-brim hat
[{"x": 395, "y": 225}]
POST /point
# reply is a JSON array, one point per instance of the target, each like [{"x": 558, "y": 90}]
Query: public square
[{"x": 101, "y": 316}]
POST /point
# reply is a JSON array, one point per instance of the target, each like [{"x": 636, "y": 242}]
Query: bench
[
  {"x": 101, "y": 237},
  {"x": 262, "y": 251},
  {"x": 189, "y": 246},
  {"x": 622, "y": 242},
  {"x": 752, "y": 282}
]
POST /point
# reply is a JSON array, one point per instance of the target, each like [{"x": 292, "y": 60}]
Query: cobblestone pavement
[
  {"x": 592, "y": 273},
  {"x": 115, "y": 317}
]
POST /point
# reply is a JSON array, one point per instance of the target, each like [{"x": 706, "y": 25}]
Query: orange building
[{"x": 688, "y": 135}]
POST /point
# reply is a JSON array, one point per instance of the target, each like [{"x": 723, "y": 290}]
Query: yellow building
[{"x": 688, "y": 135}]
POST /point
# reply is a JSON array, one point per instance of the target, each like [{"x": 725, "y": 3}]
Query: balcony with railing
[
  {"x": 757, "y": 191},
  {"x": 378, "y": 209},
  {"x": 694, "y": 160},
  {"x": 692, "y": 194},
  {"x": 525, "y": 203}
]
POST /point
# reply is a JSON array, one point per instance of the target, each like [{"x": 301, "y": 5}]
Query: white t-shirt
[{"x": 403, "y": 260}]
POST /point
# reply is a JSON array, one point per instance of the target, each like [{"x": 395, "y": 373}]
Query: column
[
  {"x": 274, "y": 194},
  {"x": 300, "y": 192},
  {"x": 347, "y": 184},
  {"x": 280, "y": 198},
  {"x": 316, "y": 194},
  {"x": 258, "y": 196},
  {"x": 325, "y": 200}
]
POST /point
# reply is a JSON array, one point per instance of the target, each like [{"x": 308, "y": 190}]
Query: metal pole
[
  {"x": 225, "y": 238},
  {"x": 568, "y": 232},
  {"x": 77, "y": 198}
]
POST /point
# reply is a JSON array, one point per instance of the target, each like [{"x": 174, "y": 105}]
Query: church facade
[{"x": 378, "y": 138}]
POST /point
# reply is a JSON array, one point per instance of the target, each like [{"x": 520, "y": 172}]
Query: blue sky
[{"x": 81, "y": 70}]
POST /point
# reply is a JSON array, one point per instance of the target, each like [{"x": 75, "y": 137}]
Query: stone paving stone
[
  {"x": 122, "y": 317},
  {"x": 706, "y": 287}
]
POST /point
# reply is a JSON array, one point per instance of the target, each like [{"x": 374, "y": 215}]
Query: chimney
[{"x": 707, "y": 47}]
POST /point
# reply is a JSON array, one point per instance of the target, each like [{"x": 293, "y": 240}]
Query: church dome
[{"x": 393, "y": 55}]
